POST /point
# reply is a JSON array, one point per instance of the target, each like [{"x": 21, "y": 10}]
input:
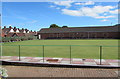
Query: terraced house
[{"x": 13, "y": 32}]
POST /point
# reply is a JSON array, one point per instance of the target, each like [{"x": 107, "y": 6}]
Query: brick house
[
  {"x": 99, "y": 32},
  {"x": 1, "y": 32},
  {"x": 13, "y": 32}
]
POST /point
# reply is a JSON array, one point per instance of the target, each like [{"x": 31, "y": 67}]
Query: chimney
[
  {"x": 4, "y": 27},
  {"x": 22, "y": 28},
  {"x": 14, "y": 27},
  {"x": 25, "y": 29},
  {"x": 10, "y": 27}
]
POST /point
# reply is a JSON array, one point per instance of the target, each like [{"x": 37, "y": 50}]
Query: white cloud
[
  {"x": 72, "y": 12},
  {"x": 104, "y": 20},
  {"x": 95, "y": 12},
  {"x": 102, "y": 9},
  {"x": 68, "y": 3},
  {"x": 34, "y": 21},
  {"x": 89, "y": 3},
  {"x": 9, "y": 25},
  {"x": 105, "y": 14},
  {"x": 58, "y": 8},
  {"x": 79, "y": 3},
  {"x": 52, "y": 6},
  {"x": 115, "y": 11},
  {"x": 100, "y": 17},
  {"x": 88, "y": 12},
  {"x": 86, "y": 3},
  {"x": 64, "y": 3}
]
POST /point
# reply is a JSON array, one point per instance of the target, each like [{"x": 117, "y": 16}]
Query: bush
[{"x": 8, "y": 39}]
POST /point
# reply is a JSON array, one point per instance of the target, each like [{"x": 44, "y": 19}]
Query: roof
[
  {"x": 80, "y": 29},
  {"x": 12, "y": 34},
  {"x": 6, "y": 30}
]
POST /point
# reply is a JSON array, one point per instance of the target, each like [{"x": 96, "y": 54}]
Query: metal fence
[{"x": 62, "y": 51}]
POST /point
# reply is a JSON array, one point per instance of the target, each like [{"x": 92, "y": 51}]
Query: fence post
[
  {"x": 43, "y": 53},
  {"x": 19, "y": 52},
  {"x": 1, "y": 47},
  {"x": 70, "y": 55},
  {"x": 100, "y": 55}
]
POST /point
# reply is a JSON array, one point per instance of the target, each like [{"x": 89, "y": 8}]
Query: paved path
[
  {"x": 95, "y": 62},
  {"x": 27, "y": 71}
]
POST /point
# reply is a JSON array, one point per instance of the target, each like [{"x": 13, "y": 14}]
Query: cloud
[
  {"x": 52, "y": 6},
  {"x": 115, "y": 11},
  {"x": 102, "y": 9},
  {"x": 67, "y": 4},
  {"x": 58, "y": 8},
  {"x": 104, "y": 20},
  {"x": 86, "y": 3},
  {"x": 94, "y": 12},
  {"x": 101, "y": 17},
  {"x": 9, "y": 25},
  {"x": 34, "y": 21},
  {"x": 105, "y": 14},
  {"x": 72, "y": 12}
]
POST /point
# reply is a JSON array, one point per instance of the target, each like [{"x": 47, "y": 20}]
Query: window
[{"x": 105, "y": 35}]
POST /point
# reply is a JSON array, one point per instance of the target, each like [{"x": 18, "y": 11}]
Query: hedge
[{"x": 22, "y": 38}]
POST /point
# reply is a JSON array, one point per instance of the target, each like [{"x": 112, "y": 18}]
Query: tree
[
  {"x": 54, "y": 26},
  {"x": 117, "y": 25},
  {"x": 64, "y": 26}
]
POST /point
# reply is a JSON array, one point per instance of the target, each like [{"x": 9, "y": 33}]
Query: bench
[{"x": 52, "y": 60}]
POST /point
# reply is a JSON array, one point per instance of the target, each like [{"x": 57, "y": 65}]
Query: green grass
[{"x": 61, "y": 48}]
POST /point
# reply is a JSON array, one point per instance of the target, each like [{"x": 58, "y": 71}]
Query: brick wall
[{"x": 80, "y": 35}]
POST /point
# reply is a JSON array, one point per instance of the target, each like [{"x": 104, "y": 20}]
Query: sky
[{"x": 37, "y": 15}]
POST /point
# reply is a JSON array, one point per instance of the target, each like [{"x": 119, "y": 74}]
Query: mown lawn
[{"x": 61, "y": 48}]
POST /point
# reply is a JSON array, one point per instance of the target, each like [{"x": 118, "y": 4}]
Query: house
[
  {"x": 16, "y": 32},
  {"x": 1, "y": 33},
  {"x": 95, "y": 32}
]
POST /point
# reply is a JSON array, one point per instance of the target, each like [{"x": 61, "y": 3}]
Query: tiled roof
[
  {"x": 10, "y": 34},
  {"x": 18, "y": 34},
  {"x": 80, "y": 29},
  {"x": 16, "y": 31},
  {"x": 6, "y": 30}
]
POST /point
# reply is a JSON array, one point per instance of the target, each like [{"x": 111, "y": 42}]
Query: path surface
[
  {"x": 27, "y": 71},
  {"x": 94, "y": 62}
]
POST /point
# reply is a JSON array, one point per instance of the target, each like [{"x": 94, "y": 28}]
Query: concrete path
[{"x": 74, "y": 61}]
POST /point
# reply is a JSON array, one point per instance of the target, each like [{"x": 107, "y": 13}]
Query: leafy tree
[
  {"x": 64, "y": 26},
  {"x": 117, "y": 25},
  {"x": 54, "y": 26}
]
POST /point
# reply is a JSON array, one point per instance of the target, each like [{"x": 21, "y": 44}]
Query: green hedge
[{"x": 9, "y": 39}]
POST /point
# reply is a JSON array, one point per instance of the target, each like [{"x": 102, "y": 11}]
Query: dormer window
[
  {"x": 11, "y": 30},
  {"x": 17, "y": 31},
  {"x": 28, "y": 32},
  {"x": 24, "y": 31}
]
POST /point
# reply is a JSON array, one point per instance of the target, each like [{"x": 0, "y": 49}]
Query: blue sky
[{"x": 37, "y": 15}]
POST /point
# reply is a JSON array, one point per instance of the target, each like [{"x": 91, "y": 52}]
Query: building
[
  {"x": 16, "y": 32},
  {"x": 98, "y": 32}
]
